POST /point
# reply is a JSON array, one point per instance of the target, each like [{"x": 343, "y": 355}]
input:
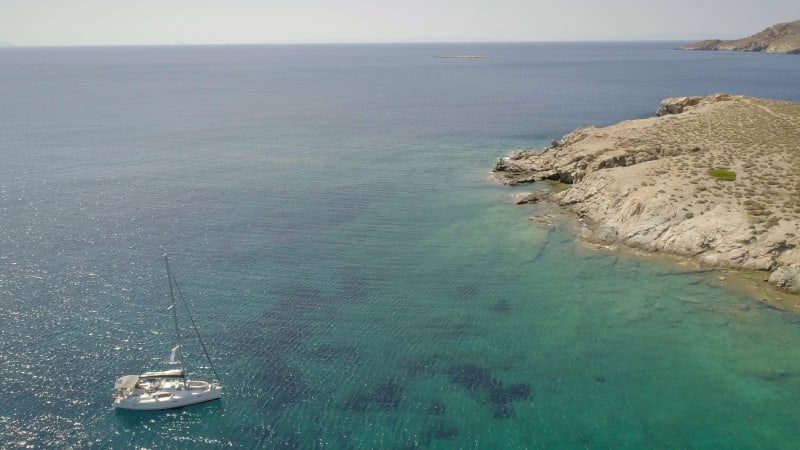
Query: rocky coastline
[
  {"x": 714, "y": 178},
  {"x": 779, "y": 38}
]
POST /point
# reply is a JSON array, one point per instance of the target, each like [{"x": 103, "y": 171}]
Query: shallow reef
[
  {"x": 479, "y": 379},
  {"x": 385, "y": 396}
]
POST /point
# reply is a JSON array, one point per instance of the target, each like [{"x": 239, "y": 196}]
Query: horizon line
[{"x": 8, "y": 44}]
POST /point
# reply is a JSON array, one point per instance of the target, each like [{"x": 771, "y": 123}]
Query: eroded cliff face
[
  {"x": 647, "y": 183},
  {"x": 780, "y": 38}
]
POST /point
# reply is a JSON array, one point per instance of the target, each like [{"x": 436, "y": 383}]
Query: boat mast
[{"x": 175, "y": 318}]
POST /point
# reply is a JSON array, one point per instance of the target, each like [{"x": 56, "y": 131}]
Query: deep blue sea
[{"x": 359, "y": 280}]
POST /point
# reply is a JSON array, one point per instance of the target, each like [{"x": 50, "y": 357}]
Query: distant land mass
[
  {"x": 780, "y": 38},
  {"x": 461, "y": 56}
]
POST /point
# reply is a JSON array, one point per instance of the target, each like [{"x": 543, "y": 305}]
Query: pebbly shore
[{"x": 714, "y": 178}]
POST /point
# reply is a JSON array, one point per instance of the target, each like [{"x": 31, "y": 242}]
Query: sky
[{"x": 157, "y": 22}]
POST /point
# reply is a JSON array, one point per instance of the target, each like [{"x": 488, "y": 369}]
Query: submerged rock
[
  {"x": 787, "y": 277},
  {"x": 471, "y": 377},
  {"x": 385, "y": 396},
  {"x": 480, "y": 379}
]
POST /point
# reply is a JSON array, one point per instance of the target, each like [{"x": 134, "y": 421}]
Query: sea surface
[{"x": 359, "y": 280}]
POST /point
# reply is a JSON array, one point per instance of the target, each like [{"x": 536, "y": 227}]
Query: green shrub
[{"x": 722, "y": 174}]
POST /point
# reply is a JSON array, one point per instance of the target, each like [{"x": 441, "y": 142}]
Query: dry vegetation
[{"x": 761, "y": 145}]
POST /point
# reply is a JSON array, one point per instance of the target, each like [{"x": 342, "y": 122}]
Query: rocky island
[
  {"x": 780, "y": 38},
  {"x": 716, "y": 178}
]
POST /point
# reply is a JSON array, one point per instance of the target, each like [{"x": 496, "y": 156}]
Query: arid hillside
[
  {"x": 780, "y": 38},
  {"x": 716, "y": 178}
]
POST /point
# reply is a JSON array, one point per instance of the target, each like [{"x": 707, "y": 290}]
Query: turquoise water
[{"x": 359, "y": 280}]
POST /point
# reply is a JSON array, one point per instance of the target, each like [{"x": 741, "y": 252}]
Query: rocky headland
[
  {"x": 715, "y": 178},
  {"x": 780, "y": 38}
]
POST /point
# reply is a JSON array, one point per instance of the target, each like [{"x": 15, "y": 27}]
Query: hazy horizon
[
  {"x": 311, "y": 43},
  {"x": 48, "y": 23}
]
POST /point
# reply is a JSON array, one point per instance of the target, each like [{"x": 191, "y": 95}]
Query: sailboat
[{"x": 167, "y": 389}]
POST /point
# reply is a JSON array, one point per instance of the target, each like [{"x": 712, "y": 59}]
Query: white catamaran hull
[
  {"x": 169, "y": 397},
  {"x": 167, "y": 389}
]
